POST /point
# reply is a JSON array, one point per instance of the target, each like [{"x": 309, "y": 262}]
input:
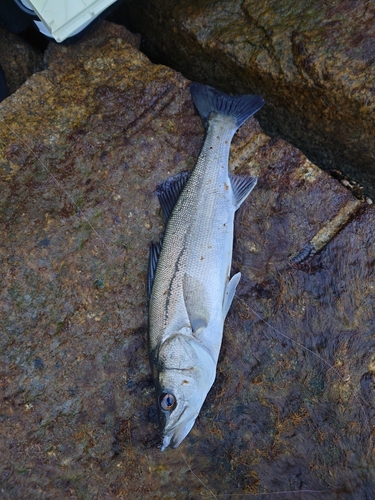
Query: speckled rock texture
[
  {"x": 83, "y": 145},
  {"x": 313, "y": 61},
  {"x": 18, "y": 59}
]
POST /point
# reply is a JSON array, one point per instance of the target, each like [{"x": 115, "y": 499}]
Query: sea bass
[{"x": 189, "y": 284}]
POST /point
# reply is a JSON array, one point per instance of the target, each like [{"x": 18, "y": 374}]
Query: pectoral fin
[
  {"x": 230, "y": 290},
  {"x": 194, "y": 297}
]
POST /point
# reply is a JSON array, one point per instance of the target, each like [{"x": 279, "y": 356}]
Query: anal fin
[{"x": 242, "y": 187}]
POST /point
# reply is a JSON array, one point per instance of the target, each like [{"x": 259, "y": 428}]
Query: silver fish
[{"x": 190, "y": 290}]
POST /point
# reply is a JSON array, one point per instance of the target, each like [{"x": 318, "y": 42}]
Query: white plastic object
[{"x": 64, "y": 18}]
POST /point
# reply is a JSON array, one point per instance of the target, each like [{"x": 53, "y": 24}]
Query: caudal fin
[{"x": 209, "y": 100}]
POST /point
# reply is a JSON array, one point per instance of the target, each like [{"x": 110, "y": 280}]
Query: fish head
[{"x": 186, "y": 374}]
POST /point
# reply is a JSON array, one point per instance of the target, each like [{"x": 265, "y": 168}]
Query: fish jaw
[{"x": 174, "y": 438}]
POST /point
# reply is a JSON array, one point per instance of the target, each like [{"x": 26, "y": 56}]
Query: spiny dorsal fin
[
  {"x": 155, "y": 249},
  {"x": 169, "y": 191},
  {"x": 242, "y": 187}
]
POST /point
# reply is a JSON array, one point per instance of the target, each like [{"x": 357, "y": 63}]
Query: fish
[{"x": 189, "y": 285}]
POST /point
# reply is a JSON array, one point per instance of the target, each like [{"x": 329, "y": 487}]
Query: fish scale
[{"x": 191, "y": 289}]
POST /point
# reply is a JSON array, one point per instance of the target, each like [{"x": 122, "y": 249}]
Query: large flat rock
[
  {"x": 83, "y": 145},
  {"x": 314, "y": 63}
]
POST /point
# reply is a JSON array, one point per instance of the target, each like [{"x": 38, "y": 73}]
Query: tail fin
[{"x": 208, "y": 100}]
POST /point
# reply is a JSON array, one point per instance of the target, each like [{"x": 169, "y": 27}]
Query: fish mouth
[{"x": 173, "y": 437}]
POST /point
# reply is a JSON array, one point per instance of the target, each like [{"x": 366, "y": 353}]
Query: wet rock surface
[
  {"x": 312, "y": 61},
  {"x": 83, "y": 145}
]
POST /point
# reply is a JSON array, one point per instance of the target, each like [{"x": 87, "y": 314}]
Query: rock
[
  {"x": 313, "y": 63},
  {"x": 18, "y": 59},
  {"x": 84, "y": 144}
]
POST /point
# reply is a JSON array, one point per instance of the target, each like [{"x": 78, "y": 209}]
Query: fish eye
[{"x": 167, "y": 401}]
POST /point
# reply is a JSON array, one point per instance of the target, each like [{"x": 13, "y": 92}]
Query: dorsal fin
[
  {"x": 242, "y": 187},
  {"x": 155, "y": 249},
  {"x": 169, "y": 191}
]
